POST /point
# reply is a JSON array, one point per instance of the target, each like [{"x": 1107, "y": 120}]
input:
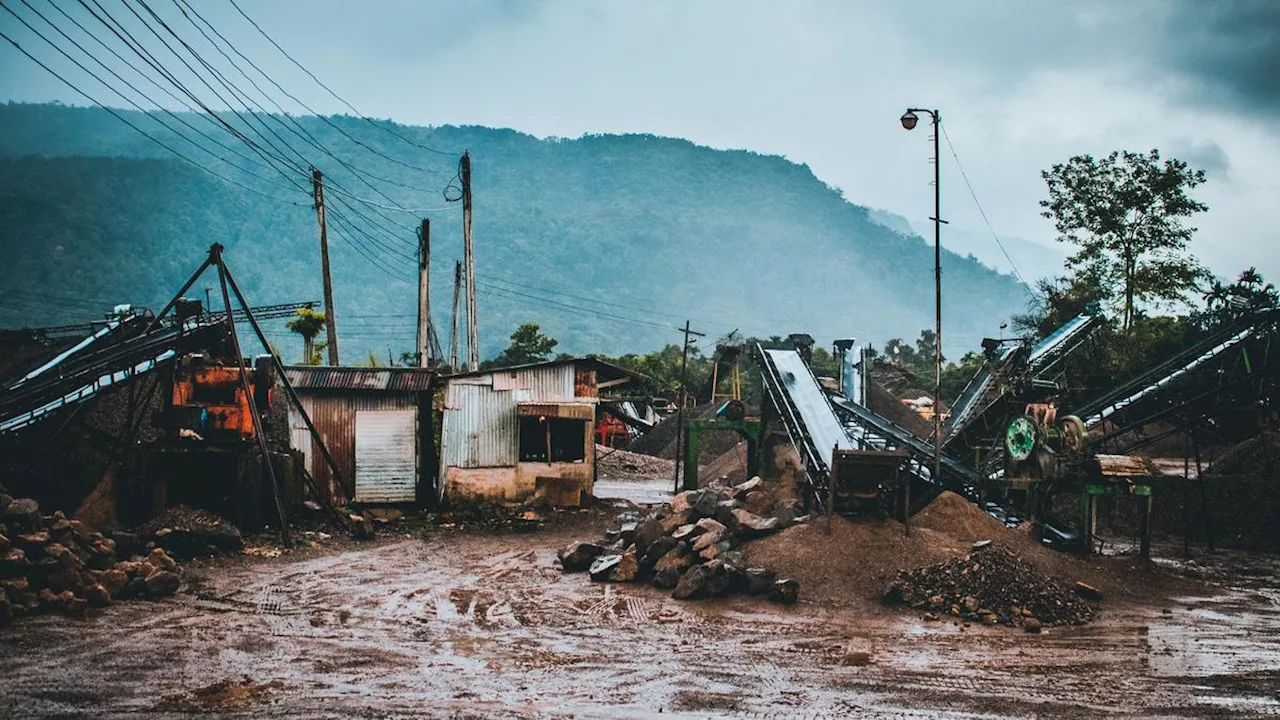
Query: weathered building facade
[
  {"x": 376, "y": 425},
  {"x": 512, "y": 433}
]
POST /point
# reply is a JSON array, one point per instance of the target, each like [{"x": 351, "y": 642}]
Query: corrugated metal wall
[
  {"x": 479, "y": 427},
  {"x": 334, "y": 416}
]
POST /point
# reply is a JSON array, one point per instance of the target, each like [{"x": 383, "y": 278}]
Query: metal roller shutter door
[{"x": 386, "y": 456}]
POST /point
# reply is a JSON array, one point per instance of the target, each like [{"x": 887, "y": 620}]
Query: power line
[
  {"x": 121, "y": 118},
  {"x": 134, "y": 88},
  {"x": 982, "y": 212},
  {"x": 330, "y": 90}
]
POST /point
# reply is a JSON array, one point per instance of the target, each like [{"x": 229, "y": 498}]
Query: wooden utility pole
[
  {"x": 424, "y": 295},
  {"x": 684, "y": 366},
  {"x": 453, "y": 333},
  {"x": 473, "y": 331},
  {"x": 330, "y": 322}
]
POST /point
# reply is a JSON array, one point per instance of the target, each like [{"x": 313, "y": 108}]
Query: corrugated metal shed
[
  {"x": 309, "y": 377},
  {"x": 334, "y": 415}
]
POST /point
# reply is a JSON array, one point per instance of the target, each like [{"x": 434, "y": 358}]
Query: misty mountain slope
[{"x": 608, "y": 241}]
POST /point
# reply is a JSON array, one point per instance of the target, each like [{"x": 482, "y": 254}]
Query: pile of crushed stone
[{"x": 994, "y": 585}]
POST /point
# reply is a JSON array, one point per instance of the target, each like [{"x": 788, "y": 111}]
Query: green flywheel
[{"x": 1020, "y": 438}]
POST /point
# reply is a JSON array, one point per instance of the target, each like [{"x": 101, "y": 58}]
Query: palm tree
[{"x": 308, "y": 324}]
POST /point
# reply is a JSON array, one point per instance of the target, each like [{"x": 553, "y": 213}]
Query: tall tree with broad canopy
[
  {"x": 1126, "y": 215},
  {"x": 528, "y": 345}
]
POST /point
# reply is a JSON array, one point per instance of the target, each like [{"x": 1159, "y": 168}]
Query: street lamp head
[{"x": 909, "y": 120}]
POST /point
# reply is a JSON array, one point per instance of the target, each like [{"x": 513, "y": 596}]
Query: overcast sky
[{"x": 1020, "y": 84}]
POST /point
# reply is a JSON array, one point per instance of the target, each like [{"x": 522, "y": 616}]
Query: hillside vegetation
[{"x": 608, "y": 241}]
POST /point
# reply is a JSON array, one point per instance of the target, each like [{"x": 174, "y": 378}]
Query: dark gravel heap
[{"x": 992, "y": 585}]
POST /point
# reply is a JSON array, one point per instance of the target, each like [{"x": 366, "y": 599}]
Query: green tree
[
  {"x": 1125, "y": 213},
  {"x": 528, "y": 345},
  {"x": 1227, "y": 303},
  {"x": 308, "y": 324}
]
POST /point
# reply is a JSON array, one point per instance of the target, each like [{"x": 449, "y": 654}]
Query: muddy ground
[{"x": 478, "y": 624}]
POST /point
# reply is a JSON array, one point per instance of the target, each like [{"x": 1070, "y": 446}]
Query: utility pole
[
  {"x": 330, "y": 323},
  {"x": 424, "y": 294},
  {"x": 684, "y": 365},
  {"x": 453, "y": 332},
  {"x": 473, "y": 330}
]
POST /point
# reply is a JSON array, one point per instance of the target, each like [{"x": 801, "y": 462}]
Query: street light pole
[{"x": 909, "y": 121}]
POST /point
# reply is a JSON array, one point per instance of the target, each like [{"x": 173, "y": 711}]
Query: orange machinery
[{"x": 209, "y": 400}]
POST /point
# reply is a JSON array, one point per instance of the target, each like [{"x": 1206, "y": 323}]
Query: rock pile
[
  {"x": 53, "y": 563},
  {"x": 689, "y": 546},
  {"x": 188, "y": 532},
  {"x": 994, "y": 585}
]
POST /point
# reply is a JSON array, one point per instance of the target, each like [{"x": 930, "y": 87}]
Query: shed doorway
[{"x": 386, "y": 456}]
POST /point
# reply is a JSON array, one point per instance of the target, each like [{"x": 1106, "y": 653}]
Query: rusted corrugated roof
[
  {"x": 309, "y": 377},
  {"x": 605, "y": 370}
]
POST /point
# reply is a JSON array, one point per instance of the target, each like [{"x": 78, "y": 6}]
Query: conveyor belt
[{"x": 811, "y": 424}]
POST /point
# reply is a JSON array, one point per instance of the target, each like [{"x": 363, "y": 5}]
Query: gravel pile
[
  {"x": 992, "y": 585},
  {"x": 187, "y": 532},
  {"x": 614, "y": 464}
]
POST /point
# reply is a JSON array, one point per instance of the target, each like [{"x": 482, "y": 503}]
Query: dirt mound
[
  {"x": 886, "y": 404},
  {"x": 994, "y": 585},
  {"x": 614, "y": 464},
  {"x": 843, "y": 561},
  {"x": 661, "y": 440},
  {"x": 730, "y": 466},
  {"x": 189, "y": 532}
]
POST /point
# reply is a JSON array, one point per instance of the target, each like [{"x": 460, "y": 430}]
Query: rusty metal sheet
[
  {"x": 573, "y": 411},
  {"x": 308, "y": 377}
]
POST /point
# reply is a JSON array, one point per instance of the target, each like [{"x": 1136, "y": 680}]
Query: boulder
[
  {"x": 602, "y": 566},
  {"x": 676, "y": 520},
  {"x": 578, "y": 556},
  {"x": 75, "y": 606},
  {"x": 361, "y": 527},
  {"x": 160, "y": 560},
  {"x": 1031, "y": 625},
  {"x": 5, "y": 501},
  {"x": 686, "y": 532},
  {"x": 710, "y": 579},
  {"x": 759, "y": 502},
  {"x": 712, "y": 532},
  {"x": 162, "y": 582},
  {"x": 97, "y": 595},
  {"x": 33, "y": 544},
  {"x": 113, "y": 581},
  {"x": 1088, "y": 592},
  {"x": 66, "y": 557},
  {"x": 14, "y": 563},
  {"x": 654, "y": 551},
  {"x": 724, "y": 514},
  {"x": 127, "y": 544},
  {"x": 671, "y": 566},
  {"x": 627, "y": 568},
  {"x": 752, "y": 525},
  {"x": 714, "y": 551},
  {"x": 23, "y": 516},
  {"x": 704, "y": 502},
  {"x": 136, "y": 587},
  {"x": 760, "y": 581},
  {"x": 680, "y": 503},
  {"x": 647, "y": 533},
  {"x": 785, "y": 592},
  {"x": 742, "y": 491}
]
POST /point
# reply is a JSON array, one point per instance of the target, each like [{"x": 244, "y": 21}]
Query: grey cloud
[
  {"x": 1229, "y": 50},
  {"x": 1204, "y": 155}
]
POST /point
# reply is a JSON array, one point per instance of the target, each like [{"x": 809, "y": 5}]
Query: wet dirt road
[{"x": 472, "y": 625}]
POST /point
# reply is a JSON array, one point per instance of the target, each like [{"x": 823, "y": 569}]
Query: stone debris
[
  {"x": 689, "y": 546},
  {"x": 188, "y": 532},
  {"x": 991, "y": 585},
  {"x": 52, "y": 563}
]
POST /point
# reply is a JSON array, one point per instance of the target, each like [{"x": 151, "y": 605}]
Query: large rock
[
  {"x": 114, "y": 581},
  {"x": 647, "y": 533},
  {"x": 759, "y": 502},
  {"x": 655, "y": 551},
  {"x": 752, "y": 525},
  {"x": 33, "y": 544},
  {"x": 675, "y": 520},
  {"x": 713, "y": 532},
  {"x": 712, "y": 552},
  {"x": 785, "y": 592},
  {"x": 703, "y": 581},
  {"x": 704, "y": 502},
  {"x": 65, "y": 556},
  {"x": 742, "y": 491},
  {"x": 680, "y": 503},
  {"x": 671, "y": 566},
  {"x": 23, "y": 516},
  {"x": 760, "y": 581},
  {"x": 627, "y": 568},
  {"x": 160, "y": 560},
  {"x": 162, "y": 582},
  {"x": 602, "y": 566},
  {"x": 578, "y": 556},
  {"x": 686, "y": 532},
  {"x": 97, "y": 595}
]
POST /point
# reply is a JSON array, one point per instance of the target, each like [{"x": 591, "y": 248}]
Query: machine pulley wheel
[
  {"x": 1020, "y": 438},
  {"x": 1074, "y": 435}
]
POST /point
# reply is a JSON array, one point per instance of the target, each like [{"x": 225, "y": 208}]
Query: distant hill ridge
[{"x": 608, "y": 241}]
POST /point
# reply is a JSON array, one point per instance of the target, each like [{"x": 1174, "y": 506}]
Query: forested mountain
[{"x": 607, "y": 241}]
